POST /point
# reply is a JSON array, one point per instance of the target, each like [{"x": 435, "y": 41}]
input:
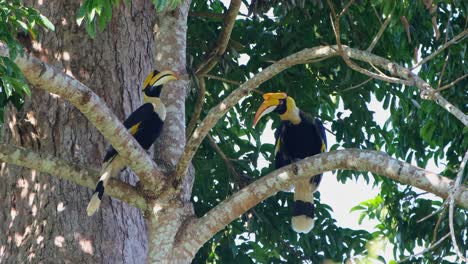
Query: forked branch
[
  {"x": 68, "y": 171},
  {"x": 202, "y": 229},
  {"x": 51, "y": 79},
  {"x": 301, "y": 57}
]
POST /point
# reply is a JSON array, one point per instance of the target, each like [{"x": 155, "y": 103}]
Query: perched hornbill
[
  {"x": 145, "y": 124},
  {"x": 299, "y": 136}
]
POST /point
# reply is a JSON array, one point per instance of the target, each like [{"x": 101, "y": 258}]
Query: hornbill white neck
[
  {"x": 292, "y": 113},
  {"x": 158, "y": 106}
]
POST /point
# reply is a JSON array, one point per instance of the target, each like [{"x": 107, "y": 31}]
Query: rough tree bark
[{"x": 43, "y": 218}]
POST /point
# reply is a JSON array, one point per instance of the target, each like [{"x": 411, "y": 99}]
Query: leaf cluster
[
  {"x": 417, "y": 131},
  {"x": 16, "y": 21},
  {"x": 96, "y": 14}
]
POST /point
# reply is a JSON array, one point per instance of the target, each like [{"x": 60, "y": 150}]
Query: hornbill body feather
[
  {"x": 144, "y": 124},
  {"x": 298, "y": 136}
]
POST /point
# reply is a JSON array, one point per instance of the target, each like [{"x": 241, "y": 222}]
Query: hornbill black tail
[{"x": 303, "y": 209}]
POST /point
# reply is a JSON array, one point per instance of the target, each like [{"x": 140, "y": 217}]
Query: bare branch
[
  {"x": 202, "y": 229},
  {"x": 457, "y": 188},
  {"x": 297, "y": 58},
  {"x": 357, "y": 85},
  {"x": 223, "y": 156},
  {"x": 223, "y": 39},
  {"x": 222, "y": 79},
  {"x": 335, "y": 20},
  {"x": 69, "y": 171},
  {"x": 443, "y": 70},
  {"x": 446, "y": 45},
  {"x": 213, "y": 58},
  {"x": 436, "y": 228},
  {"x": 447, "y": 26},
  {"x": 379, "y": 34},
  {"x": 51, "y": 79},
  {"x": 433, "y": 245},
  {"x": 214, "y": 16},
  {"x": 451, "y": 84},
  {"x": 442, "y": 207},
  {"x": 200, "y": 80}
]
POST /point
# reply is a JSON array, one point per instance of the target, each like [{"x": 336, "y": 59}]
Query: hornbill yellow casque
[
  {"x": 299, "y": 136},
  {"x": 145, "y": 124}
]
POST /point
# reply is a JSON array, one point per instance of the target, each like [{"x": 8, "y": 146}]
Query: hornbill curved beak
[
  {"x": 157, "y": 78},
  {"x": 272, "y": 100},
  {"x": 164, "y": 77},
  {"x": 154, "y": 82}
]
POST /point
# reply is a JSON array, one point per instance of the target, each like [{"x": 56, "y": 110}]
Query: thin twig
[
  {"x": 230, "y": 81},
  {"x": 380, "y": 33},
  {"x": 448, "y": 53},
  {"x": 451, "y": 199},
  {"x": 336, "y": 28},
  {"x": 345, "y": 9},
  {"x": 446, "y": 45},
  {"x": 434, "y": 245},
  {"x": 451, "y": 84},
  {"x": 213, "y": 58},
  {"x": 357, "y": 85},
  {"x": 223, "y": 156},
  {"x": 223, "y": 39},
  {"x": 241, "y": 179},
  {"x": 377, "y": 14},
  {"x": 443, "y": 69},
  {"x": 436, "y": 228},
  {"x": 200, "y": 81},
  {"x": 442, "y": 207},
  {"x": 214, "y": 16},
  {"x": 222, "y": 79}
]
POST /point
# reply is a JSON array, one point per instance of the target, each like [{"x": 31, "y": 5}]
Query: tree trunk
[
  {"x": 169, "y": 213},
  {"x": 45, "y": 218}
]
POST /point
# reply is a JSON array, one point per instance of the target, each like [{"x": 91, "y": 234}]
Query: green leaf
[{"x": 46, "y": 22}]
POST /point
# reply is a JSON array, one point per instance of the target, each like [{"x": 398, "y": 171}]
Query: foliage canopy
[{"x": 417, "y": 131}]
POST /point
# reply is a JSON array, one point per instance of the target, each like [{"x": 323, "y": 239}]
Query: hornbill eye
[
  {"x": 153, "y": 91},
  {"x": 281, "y": 109}
]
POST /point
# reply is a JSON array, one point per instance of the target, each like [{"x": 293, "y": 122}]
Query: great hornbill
[
  {"x": 299, "y": 136},
  {"x": 145, "y": 124}
]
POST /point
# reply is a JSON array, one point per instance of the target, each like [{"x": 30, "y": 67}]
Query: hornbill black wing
[
  {"x": 303, "y": 208},
  {"x": 321, "y": 131},
  {"x": 132, "y": 123},
  {"x": 281, "y": 155}
]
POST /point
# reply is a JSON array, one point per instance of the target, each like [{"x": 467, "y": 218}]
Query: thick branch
[
  {"x": 298, "y": 58},
  {"x": 69, "y": 171},
  {"x": 202, "y": 229},
  {"x": 51, "y": 79},
  {"x": 427, "y": 92},
  {"x": 218, "y": 111}
]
